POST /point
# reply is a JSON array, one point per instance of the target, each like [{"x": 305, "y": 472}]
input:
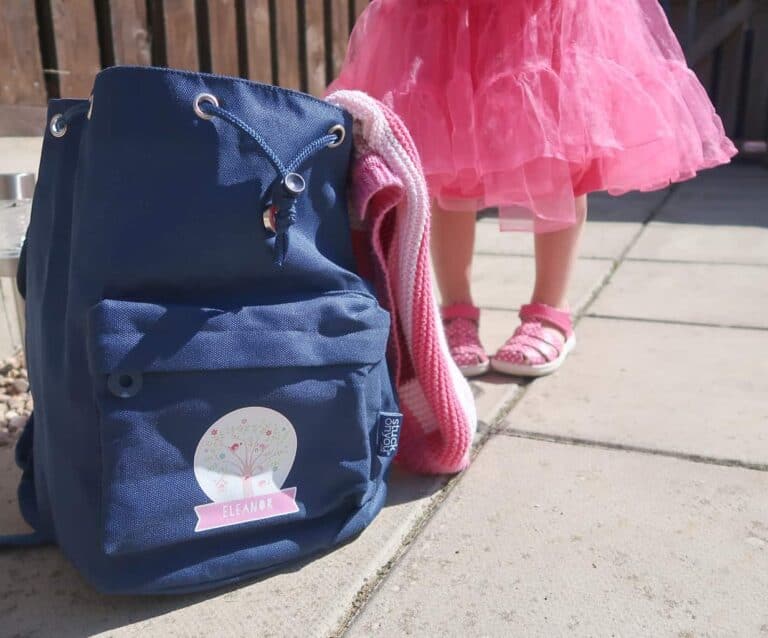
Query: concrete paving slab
[
  {"x": 489, "y": 240},
  {"x": 698, "y": 242},
  {"x": 493, "y": 392},
  {"x": 542, "y": 539},
  {"x": 736, "y": 197},
  {"x": 505, "y": 282},
  {"x": 720, "y": 217},
  {"x": 722, "y": 204},
  {"x": 42, "y": 595},
  {"x": 735, "y": 169},
  {"x": 613, "y": 223},
  {"x": 721, "y": 294},
  {"x": 496, "y": 326},
  {"x": 602, "y": 239},
  {"x": 630, "y": 207},
  {"x": 686, "y": 389}
]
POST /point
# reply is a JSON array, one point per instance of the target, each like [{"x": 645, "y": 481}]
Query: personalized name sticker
[{"x": 241, "y": 464}]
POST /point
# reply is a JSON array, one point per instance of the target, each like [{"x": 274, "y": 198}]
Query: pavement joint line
[
  {"x": 639, "y": 449},
  {"x": 676, "y": 322},
  {"x": 369, "y": 587},
  {"x": 623, "y": 254},
  {"x": 485, "y": 253},
  {"x": 695, "y": 262},
  {"x": 372, "y": 584}
]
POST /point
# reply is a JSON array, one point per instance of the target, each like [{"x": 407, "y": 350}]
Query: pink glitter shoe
[
  {"x": 460, "y": 322},
  {"x": 534, "y": 351}
]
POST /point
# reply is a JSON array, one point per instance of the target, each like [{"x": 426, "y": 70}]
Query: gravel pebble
[
  {"x": 17, "y": 423},
  {"x": 21, "y": 385},
  {"x": 15, "y": 400}
]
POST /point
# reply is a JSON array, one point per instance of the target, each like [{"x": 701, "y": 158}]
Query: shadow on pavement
[
  {"x": 41, "y": 594},
  {"x": 733, "y": 195}
]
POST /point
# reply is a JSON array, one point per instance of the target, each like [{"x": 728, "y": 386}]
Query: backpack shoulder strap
[
  {"x": 27, "y": 497},
  {"x": 23, "y": 540}
]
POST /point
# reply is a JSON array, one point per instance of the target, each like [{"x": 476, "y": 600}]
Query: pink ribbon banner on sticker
[{"x": 254, "y": 508}]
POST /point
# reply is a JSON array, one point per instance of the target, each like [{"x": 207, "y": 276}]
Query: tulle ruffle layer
[{"x": 526, "y": 104}]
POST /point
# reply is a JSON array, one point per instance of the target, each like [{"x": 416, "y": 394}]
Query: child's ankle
[
  {"x": 458, "y": 301},
  {"x": 562, "y": 305}
]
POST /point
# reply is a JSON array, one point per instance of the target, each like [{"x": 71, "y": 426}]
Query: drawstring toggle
[{"x": 284, "y": 197}]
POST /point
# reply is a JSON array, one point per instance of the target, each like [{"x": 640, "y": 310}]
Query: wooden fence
[
  {"x": 726, "y": 43},
  {"x": 52, "y": 48},
  {"x": 55, "y": 47}
]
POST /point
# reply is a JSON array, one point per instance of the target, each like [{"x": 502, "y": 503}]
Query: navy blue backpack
[{"x": 212, "y": 397}]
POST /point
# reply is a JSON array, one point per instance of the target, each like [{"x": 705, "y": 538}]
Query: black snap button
[{"x": 124, "y": 384}]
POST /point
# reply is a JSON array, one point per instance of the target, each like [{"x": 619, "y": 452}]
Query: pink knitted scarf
[{"x": 390, "y": 218}]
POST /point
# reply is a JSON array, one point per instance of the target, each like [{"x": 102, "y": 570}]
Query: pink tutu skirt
[{"x": 526, "y": 104}]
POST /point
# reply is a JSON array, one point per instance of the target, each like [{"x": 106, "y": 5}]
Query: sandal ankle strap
[
  {"x": 539, "y": 311},
  {"x": 460, "y": 311}
]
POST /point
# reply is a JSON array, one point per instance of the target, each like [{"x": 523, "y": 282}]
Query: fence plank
[
  {"x": 691, "y": 23},
  {"x": 719, "y": 30},
  {"x": 130, "y": 38},
  {"x": 728, "y": 94},
  {"x": 222, "y": 34},
  {"x": 77, "y": 46},
  {"x": 315, "y": 38},
  {"x": 287, "y": 19},
  {"x": 756, "y": 121},
  {"x": 258, "y": 40},
  {"x": 22, "y": 119},
  {"x": 706, "y": 69},
  {"x": 180, "y": 34},
  {"x": 339, "y": 34},
  {"x": 22, "y": 80},
  {"x": 358, "y": 6}
]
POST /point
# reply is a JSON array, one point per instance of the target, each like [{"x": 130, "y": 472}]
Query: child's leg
[
  {"x": 453, "y": 240},
  {"x": 555, "y": 257},
  {"x": 540, "y": 345}
]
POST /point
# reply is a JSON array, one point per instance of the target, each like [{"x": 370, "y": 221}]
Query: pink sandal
[
  {"x": 460, "y": 322},
  {"x": 533, "y": 351}
]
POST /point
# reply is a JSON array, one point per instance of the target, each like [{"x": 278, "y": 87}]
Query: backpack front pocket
[{"x": 234, "y": 421}]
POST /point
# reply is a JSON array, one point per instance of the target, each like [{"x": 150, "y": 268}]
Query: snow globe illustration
[{"x": 241, "y": 463}]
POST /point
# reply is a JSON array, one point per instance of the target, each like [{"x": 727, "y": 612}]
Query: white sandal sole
[
  {"x": 475, "y": 370},
  {"x": 540, "y": 370}
]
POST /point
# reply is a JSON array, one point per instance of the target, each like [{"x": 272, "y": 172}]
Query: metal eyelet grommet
[
  {"x": 340, "y": 132},
  {"x": 125, "y": 384},
  {"x": 268, "y": 217},
  {"x": 294, "y": 183},
  {"x": 58, "y": 125},
  {"x": 90, "y": 107},
  {"x": 199, "y": 99}
]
